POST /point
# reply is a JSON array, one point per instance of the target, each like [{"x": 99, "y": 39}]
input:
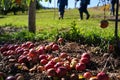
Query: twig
[{"x": 106, "y": 62}]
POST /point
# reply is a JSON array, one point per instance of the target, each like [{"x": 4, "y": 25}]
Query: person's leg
[
  {"x": 81, "y": 13},
  {"x": 61, "y": 12},
  {"x": 86, "y": 12},
  {"x": 113, "y": 8}
]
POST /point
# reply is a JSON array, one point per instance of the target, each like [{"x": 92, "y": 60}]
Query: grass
[{"x": 48, "y": 25}]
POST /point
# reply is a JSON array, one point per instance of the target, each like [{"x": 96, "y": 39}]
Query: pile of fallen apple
[{"x": 47, "y": 59}]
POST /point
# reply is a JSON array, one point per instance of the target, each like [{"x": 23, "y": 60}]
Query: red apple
[
  {"x": 51, "y": 72},
  {"x": 67, "y": 65},
  {"x": 58, "y": 64},
  {"x": 48, "y": 47},
  {"x": 85, "y": 55},
  {"x": 80, "y": 66},
  {"x": 10, "y": 78},
  {"x": 43, "y": 61},
  {"x": 85, "y": 60},
  {"x": 63, "y": 55},
  {"x": 19, "y": 50},
  {"x": 49, "y": 57},
  {"x": 3, "y": 48},
  {"x": 32, "y": 53},
  {"x": 55, "y": 47},
  {"x": 31, "y": 46},
  {"x": 48, "y": 66},
  {"x": 41, "y": 50},
  {"x": 60, "y": 40},
  {"x": 52, "y": 62},
  {"x": 22, "y": 59},
  {"x": 42, "y": 56},
  {"x": 61, "y": 71},
  {"x": 51, "y": 44},
  {"x": 102, "y": 76},
  {"x": 87, "y": 75},
  {"x": 56, "y": 59},
  {"x": 111, "y": 48}
]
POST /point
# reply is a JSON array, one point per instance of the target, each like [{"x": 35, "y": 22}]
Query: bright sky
[{"x": 70, "y": 3}]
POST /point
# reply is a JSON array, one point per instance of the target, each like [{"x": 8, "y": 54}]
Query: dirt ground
[{"x": 99, "y": 61}]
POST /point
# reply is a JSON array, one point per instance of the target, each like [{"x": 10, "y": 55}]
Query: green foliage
[
  {"x": 23, "y": 36},
  {"x": 73, "y": 34}
]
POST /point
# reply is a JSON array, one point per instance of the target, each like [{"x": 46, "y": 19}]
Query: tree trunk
[{"x": 32, "y": 16}]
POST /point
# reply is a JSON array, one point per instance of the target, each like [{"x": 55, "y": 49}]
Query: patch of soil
[{"x": 10, "y": 29}]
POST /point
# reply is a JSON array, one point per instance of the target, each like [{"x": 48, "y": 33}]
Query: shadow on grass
[{"x": 2, "y": 17}]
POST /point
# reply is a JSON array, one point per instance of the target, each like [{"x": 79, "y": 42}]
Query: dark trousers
[
  {"x": 83, "y": 9},
  {"x": 61, "y": 11},
  {"x": 113, "y": 8}
]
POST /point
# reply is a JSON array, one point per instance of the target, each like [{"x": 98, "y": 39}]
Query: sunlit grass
[{"x": 47, "y": 21}]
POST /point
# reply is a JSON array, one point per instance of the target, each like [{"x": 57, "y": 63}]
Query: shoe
[
  {"x": 59, "y": 18},
  {"x": 88, "y": 16}
]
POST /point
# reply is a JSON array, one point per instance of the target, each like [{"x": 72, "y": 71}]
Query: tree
[{"x": 32, "y": 16}]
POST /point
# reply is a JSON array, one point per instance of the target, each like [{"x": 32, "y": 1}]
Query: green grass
[{"x": 48, "y": 26}]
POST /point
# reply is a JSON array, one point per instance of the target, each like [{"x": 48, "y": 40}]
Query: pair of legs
[
  {"x": 61, "y": 11},
  {"x": 113, "y": 9},
  {"x": 83, "y": 9}
]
